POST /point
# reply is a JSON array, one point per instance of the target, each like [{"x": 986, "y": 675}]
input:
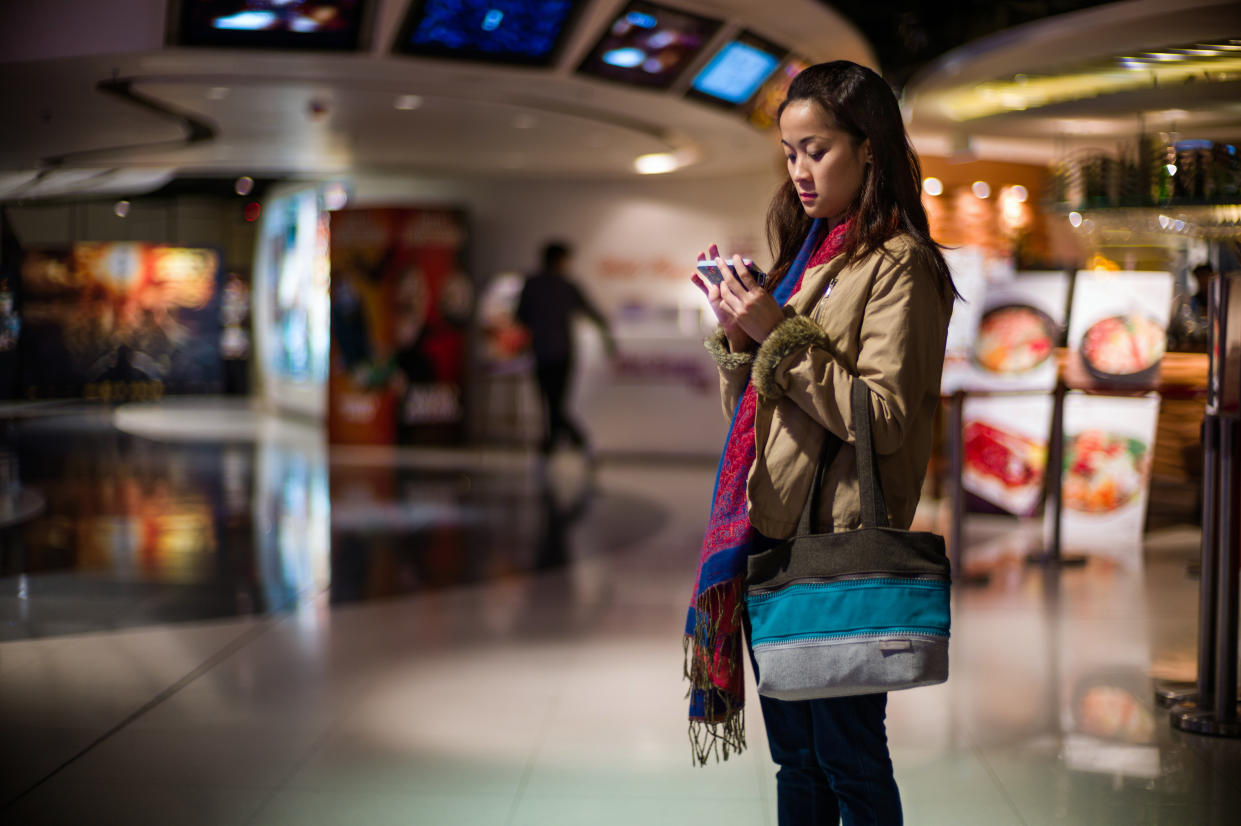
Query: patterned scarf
[{"x": 713, "y": 642}]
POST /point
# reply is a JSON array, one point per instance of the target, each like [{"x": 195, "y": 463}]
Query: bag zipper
[
  {"x": 858, "y": 636},
  {"x": 878, "y": 576}
]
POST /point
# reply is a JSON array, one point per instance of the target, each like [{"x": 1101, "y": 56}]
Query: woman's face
[{"x": 825, "y": 164}]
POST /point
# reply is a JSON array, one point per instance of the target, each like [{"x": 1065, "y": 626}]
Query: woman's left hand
[{"x": 757, "y": 313}]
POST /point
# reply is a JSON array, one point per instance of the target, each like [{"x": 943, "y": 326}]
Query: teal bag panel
[{"x": 864, "y": 606}]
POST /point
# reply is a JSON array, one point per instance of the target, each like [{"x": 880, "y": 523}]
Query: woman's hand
[
  {"x": 746, "y": 312},
  {"x": 749, "y": 306},
  {"x": 738, "y": 340}
]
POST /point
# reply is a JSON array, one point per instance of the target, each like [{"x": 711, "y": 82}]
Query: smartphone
[{"x": 712, "y": 273}]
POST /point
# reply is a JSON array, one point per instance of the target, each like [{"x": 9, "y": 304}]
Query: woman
[{"x": 858, "y": 289}]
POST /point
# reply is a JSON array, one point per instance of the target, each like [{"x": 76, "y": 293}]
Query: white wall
[
  {"x": 636, "y": 242},
  {"x": 650, "y": 223}
]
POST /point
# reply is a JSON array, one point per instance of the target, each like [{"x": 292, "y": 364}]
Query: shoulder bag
[{"x": 856, "y": 612}]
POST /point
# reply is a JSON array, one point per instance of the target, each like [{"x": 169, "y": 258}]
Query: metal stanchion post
[
  {"x": 1201, "y": 691},
  {"x": 1051, "y": 556},
  {"x": 1216, "y": 713},
  {"x": 1227, "y": 578},
  {"x": 956, "y": 444}
]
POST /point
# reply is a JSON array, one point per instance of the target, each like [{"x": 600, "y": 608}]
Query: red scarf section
[{"x": 713, "y": 629}]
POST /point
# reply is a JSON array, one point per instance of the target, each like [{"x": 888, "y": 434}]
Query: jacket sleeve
[
  {"x": 583, "y": 304},
  {"x": 734, "y": 370},
  {"x": 900, "y": 355}
]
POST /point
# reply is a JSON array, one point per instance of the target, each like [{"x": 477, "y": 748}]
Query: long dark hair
[{"x": 859, "y": 102}]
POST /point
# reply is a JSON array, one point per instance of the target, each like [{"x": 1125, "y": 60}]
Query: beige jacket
[{"x": 885, "y": 321}]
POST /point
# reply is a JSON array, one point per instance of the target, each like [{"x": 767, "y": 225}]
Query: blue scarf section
[{"x": 712, "y": 627}]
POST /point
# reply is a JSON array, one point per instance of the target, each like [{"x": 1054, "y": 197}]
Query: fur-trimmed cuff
[
  {"x": 794, "y": 333},
  {"x": 717, "y": 346}
]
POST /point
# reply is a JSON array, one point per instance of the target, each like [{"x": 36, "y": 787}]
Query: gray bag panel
[{"x": 839, "y": 668}]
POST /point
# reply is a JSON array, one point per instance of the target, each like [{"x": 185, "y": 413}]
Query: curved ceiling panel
[
  {"x": 302, "y": 113},
  {"x": 1098, "y": 76}
]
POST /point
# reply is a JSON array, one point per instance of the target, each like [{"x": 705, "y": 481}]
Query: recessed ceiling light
[
  {"x": 933, "y": 187},
  {"x": 121, "y": 208},
  {"x": 656, "y": 163},
  {"x": 407, "y": 103},
  {"x": 981, "y": 189}
]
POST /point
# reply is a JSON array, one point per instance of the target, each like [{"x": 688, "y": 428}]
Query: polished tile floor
[{"x": 219, "y": 621}]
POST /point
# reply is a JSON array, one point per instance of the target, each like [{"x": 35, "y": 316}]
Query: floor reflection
[
  {"x": 398, "y": 529},
  {"x": 141, "y": 531}
]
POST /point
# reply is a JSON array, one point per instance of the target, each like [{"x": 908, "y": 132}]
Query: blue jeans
[
  {"x": 833, "y": 756},
  {"x": 834, "y": 762}
]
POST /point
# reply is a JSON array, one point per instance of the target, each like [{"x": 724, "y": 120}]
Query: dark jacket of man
[{"x": 546, "y": 307}]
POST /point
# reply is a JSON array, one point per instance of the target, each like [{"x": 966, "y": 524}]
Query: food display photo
[
  {"x": 1117, "y": 334},
  {"x": 1005, "y": 450},
  {"x": 1016, "y": 326},
  {"x": 969, "y": 274},
  {"x": 1108, "y": 443}
]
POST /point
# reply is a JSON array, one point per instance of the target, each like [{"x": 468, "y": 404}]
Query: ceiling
[
  {"x": 67, "y": 66},
  {"x": 908, "y": 34},
  {"x": 289, "y": 114},
  {"x": 1088, "y": 49}
]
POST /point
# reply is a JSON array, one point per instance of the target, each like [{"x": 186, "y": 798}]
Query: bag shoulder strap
[{"x": 870, "y": 486}]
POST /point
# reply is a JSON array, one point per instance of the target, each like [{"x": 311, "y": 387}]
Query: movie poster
[
  {"x": 402, "y": 305},
  {"x": 1108, "y": 445},
  {"x": 120, "y": 321}
]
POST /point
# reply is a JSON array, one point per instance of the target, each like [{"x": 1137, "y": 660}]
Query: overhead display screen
[
  {"x": 528, "y": 32},
  {"x": 766, "y": 104},
  {"x": 737, "y": 71},
  {"x": 271, "y": 24},
  {"x": 649, "y": 45}
]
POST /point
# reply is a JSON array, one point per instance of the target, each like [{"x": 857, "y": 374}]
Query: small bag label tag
[{"x": 895, "y": 646}]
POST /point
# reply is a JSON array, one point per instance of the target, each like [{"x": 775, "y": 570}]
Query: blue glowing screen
[
  {"x": 735, "y": 74},
  {"x": 526, "y": 30}
]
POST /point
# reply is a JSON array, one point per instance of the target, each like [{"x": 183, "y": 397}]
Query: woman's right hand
[{"x": 738, "y": 340}]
